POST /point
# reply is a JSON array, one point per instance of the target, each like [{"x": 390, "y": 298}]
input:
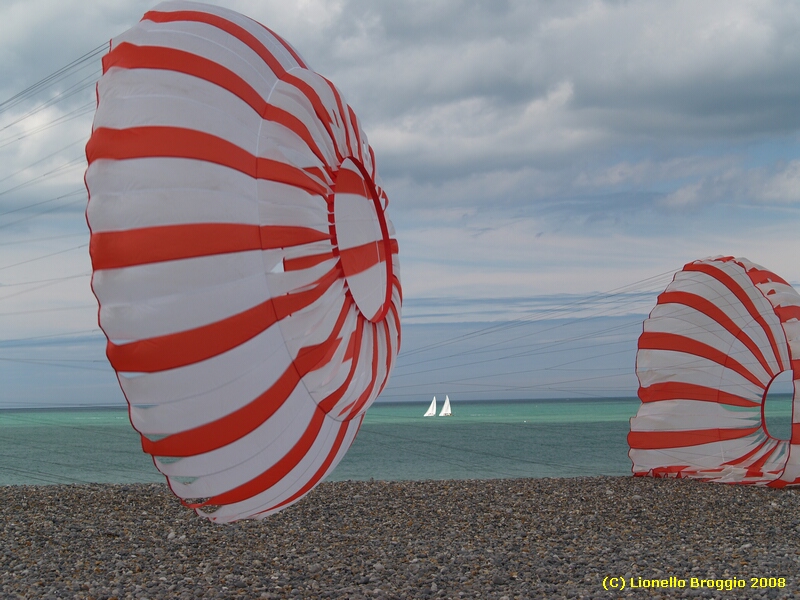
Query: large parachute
[
  {"x": 720, "y": 334},
  {"x": 246, "y": 272}
]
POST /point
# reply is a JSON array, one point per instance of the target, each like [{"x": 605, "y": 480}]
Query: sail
[
  {"x": 431, "y": 409},
  {"x": 446, "y": 408}
]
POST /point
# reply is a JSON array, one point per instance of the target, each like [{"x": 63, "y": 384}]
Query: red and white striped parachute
[
  {"x": 246, "y": 273},
  {"x": 720, "y": 333}
]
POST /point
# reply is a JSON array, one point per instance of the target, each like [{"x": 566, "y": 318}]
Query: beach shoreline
[{"x": 504, "y": 538}]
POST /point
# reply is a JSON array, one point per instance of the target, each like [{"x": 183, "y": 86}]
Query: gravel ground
[{"x": 512, "y": 538}]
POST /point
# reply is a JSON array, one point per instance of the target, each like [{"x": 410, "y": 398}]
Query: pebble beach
[{"x": 588, "y": 537}]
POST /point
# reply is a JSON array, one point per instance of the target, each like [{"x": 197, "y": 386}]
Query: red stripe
[
  {"x": 652, "y": 340},
  {"x": 288, "y": 462},
  {"x": 288, "y": 47},
  {"x": 267, "y": 111},
  {"x": 787, "y": 313},
  {"x": 759, "y": 276},
  {"x": 117, "y": 249},
  {"x": 287, "y": 236},
  {"x": 319, "y": 108},
  {"x": 675, "y": 390},
  {"x": 341, "y": 113},
  {"x": 755, "y": 470},
  {"x": 671, "y": 471},
  {"x": 192, "y": 346},
  {"x": 739, "y": 460},
  {"x": 396, "y": 316},
  {"x": 320, "y": 473},
  {"x": 396, "y": 284},
  {"x": 795, "y": 439},
  {"x": 385, "y": 243},
  {"x": 355, "y": 343},
  {"x": 236, "y": 31},
  {"x": 230, "y": 428},
  {"x": 291, "y": 122},
  {"x": 734, "y": 287},
  {"x": 350, "y": 352},
  {"x": 323, "y": 175},
  {"x": 305, "y": 262},
  {"x": 374, "y": 173},
  {"x": 388, "y": 337},
  {"x": 365, "y": 395},
  {"x": 239, "y": 423},
  {"x": 129, "y": 56},
  {"x": 361, "y": 258},
  {"x": 662, "y": 440},
  {"x": 351, "y": 182},
  {"x": 274, "y": 474},
  {"x": 177, "y": 142},
  {"x": 356, "y": 132},
  {"x": 279, "y": 172},
  {"x": 713, "y": 312}
]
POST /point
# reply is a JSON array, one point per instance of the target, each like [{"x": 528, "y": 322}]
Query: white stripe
[
  {"x": 148, "y": 192},
  {"x": 238, "y": 377},
  {"x": 200, "y": 381},
  {"x": 666, "y": 366},
  {"x": 356, "y": 221},
  {"x": 705, "y": 456},
  {"x": 681, "y": 320},
  {"x": 294, "y": 480},
  {"x": 369, "y": 289},
  {"x": 715, "y": 292},
  {"x": 155, "y": 97},
  {"x": 175, "y": 278},
  {"x": 309, "y": 210},
  {"x": 763, "y": 306},
  {"x": 338, "y": 123},
  {"x": 689, "y": 415},
  {"x": 290, "y": 99},
  {"x": 249, "y": 456},
  {"x": 188, "y": 308},
  {"x": 295, "y": 281},
  {"x": 262, "y": 34},
  {"x": 206, "y": 42}
]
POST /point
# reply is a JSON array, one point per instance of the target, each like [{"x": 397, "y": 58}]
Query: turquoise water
[{"x": 563, "y": 438}]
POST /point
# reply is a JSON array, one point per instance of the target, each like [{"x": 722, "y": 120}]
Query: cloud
[
  {"x": 530, "y": 149},
  {"x": 781, "y": 185}
]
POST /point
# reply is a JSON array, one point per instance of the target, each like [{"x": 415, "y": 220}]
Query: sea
[{"x": 481, "y": 440}]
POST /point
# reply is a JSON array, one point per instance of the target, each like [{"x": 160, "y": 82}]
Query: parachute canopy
[
  {"x": 720, "y": 333},
  {"x": 245, "y": 269}
]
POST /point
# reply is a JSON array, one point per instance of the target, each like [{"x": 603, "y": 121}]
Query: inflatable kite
[
  {"x": 244, "y": 266},
  {"x": 720, "y": 334}
]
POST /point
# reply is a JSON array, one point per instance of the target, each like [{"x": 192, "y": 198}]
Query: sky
[{"x": 549, "y": 165}]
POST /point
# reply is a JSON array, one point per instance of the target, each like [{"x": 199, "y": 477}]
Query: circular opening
[
  {"x": 776, "y": 407},
  {"x": 362, "y": 238}
]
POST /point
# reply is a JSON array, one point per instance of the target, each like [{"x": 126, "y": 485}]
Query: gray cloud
[{"x": 533, "y": 151}]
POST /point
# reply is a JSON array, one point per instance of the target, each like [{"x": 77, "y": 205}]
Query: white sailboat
[
  {"x": 431, "y": 409},
  {"x": 446, "y": 408}
]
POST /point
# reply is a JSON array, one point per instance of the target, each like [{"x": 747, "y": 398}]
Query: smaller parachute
[{"x": 720, "y": 334}]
